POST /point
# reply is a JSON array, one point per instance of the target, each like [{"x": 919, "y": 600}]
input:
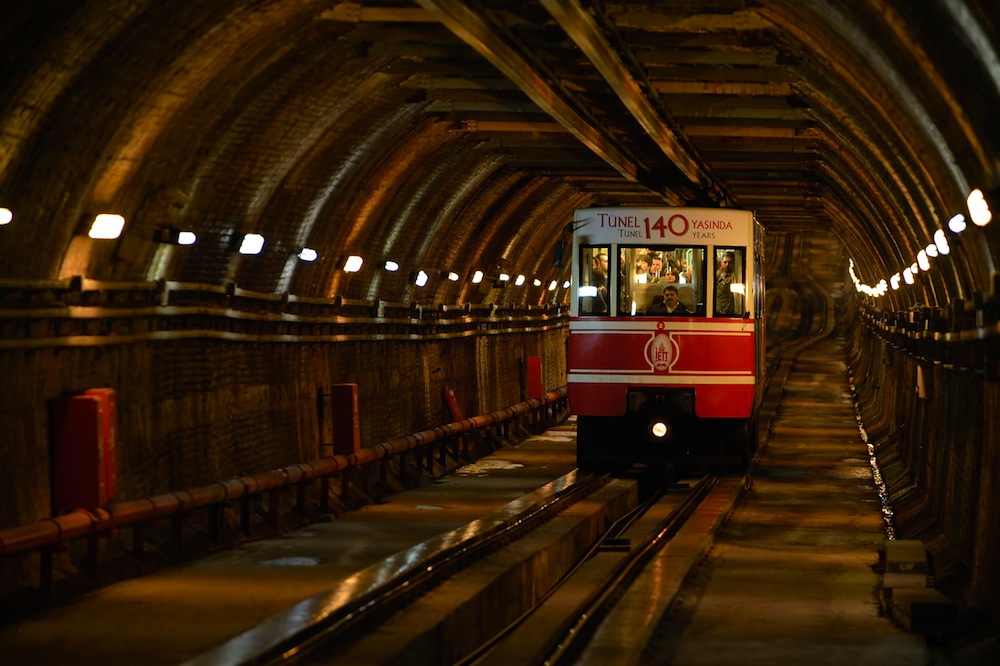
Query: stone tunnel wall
[
  {"x": 939, "y": 452},
  {"x": 191, "y": 412}
]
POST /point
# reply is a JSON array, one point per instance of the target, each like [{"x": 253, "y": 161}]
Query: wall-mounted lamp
[
  {"x": 519, "y": 281},
  {"x": 172, "y": 236},
  {"x": 957, "y": 224},
  {"x": 941, "y": 242},
  {"x": 251, "y": 244},
  {"x": 391, "y": 266},
  {"x": 566, "y": 284},
  {"x": 353, "y": 264},
  {"x": 453, "y": 276},
  {"x": 107, "y": 226},
  {"x": 477, "y": 277},
  {"x": 6, "y": 215},
  {"x": 553, "y": 285},
  {"x": 308, "y": 254},
  {"x": 421, "y": 279},
  {"x": 537, "y": 282},
  {"x": 923, "y": 263},
  {"x": 978, "y": 208}
]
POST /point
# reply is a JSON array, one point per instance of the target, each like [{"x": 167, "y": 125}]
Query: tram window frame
[
  {"x": 593, "y": 296},
  {"x": 634, "y": 300},
  {"x": 739, "y": 277}
]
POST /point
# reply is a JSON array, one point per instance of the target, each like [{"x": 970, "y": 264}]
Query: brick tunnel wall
[
  {"x": 193, "y": 412},
  {"x": 940, "y": 457}
]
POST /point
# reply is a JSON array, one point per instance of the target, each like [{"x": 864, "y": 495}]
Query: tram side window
[
  {"x": 647, "y": 272},
  {"x": 730, "y": 281},
  {"x": 593, "y": 287}
]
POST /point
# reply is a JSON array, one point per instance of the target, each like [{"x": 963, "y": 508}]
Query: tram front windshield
[
  {"x": 692, "y": 280},
  {"x": 648, "y": 273}
]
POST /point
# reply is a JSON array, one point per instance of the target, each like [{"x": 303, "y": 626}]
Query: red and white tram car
[{"x": 666, "y": 340}]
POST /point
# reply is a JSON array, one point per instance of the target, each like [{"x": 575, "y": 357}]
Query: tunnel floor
[{"x": 790, "y": 579}]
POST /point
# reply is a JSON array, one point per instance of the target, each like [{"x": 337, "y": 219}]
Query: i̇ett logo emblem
[{"x": 660, "y": 351}]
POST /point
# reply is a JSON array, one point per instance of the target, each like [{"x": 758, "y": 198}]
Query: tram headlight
[{"x": 659, "y": 429}]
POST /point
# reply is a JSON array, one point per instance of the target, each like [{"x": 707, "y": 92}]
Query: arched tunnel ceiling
[{"x": 456, "y": 136}]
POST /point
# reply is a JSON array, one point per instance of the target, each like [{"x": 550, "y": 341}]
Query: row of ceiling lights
[
  {"x": 979, "y": 213},
  {"x": 354, "y": 263},
  {"x": 108, "y": 226}
]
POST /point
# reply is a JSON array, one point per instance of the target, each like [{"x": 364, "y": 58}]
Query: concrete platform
[{"x": 176, "y": 614}]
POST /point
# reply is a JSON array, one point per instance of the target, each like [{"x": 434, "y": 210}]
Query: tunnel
[{"x": 221, "y": 210}]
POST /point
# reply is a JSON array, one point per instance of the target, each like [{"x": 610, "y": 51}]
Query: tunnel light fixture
[
  {"x": 503, "y": 277},
  {"x": 252, "y": 244},
  {"x": 477, "y": 277},
  {"x": 107, "y": 226},
  {"x": 173, "y": 236},
  {"x": 308, "y": 254},
  {"x": 923, "y": 263},
  {"x": 421, "y": 279},
  {"x": 453, "y": 276},
  {"x": 519, "y": 281},
  {"x": 353, "y": 264},
  {"x": 6, "y": 215},
  {"x": 536, "y": 282},
  {"x": 391, "y": 266},
  {"x": 940, "y": 247},
  {"x": 566, "y": 284},
  {"x": 553, "y": 285},
  {"x": 941, "y": 242},
  {"x": 979, "y": 210}
]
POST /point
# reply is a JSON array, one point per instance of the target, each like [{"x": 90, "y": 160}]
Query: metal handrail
[{"x": 47, "y": 535}]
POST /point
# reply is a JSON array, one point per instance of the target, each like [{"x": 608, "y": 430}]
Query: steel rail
[
  {"x": 594, "y": 609},
  {"x": 366, "y": 610}
]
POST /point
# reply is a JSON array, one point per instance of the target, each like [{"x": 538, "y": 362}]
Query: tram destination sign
[{"x": 671, "y": 226}]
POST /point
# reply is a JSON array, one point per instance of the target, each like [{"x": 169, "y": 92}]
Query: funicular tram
[{"x": 666, "y": 341}]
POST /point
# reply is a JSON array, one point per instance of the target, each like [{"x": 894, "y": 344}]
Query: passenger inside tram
[
  {"x": 649, "y": 269},
  {"x": 730, "y": 289}
]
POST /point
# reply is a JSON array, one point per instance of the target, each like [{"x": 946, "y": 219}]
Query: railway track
[
  {"x": 522, "y": 585},
  {"x": 590, "y": 617}
]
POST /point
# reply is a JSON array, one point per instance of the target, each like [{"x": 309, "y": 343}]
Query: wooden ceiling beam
[
  {"x": 355, "y": 12},
  {"x": 585, "y": 32},
  {"x": 769, "y": 89},
  {"x": 516, "y": 64}
]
